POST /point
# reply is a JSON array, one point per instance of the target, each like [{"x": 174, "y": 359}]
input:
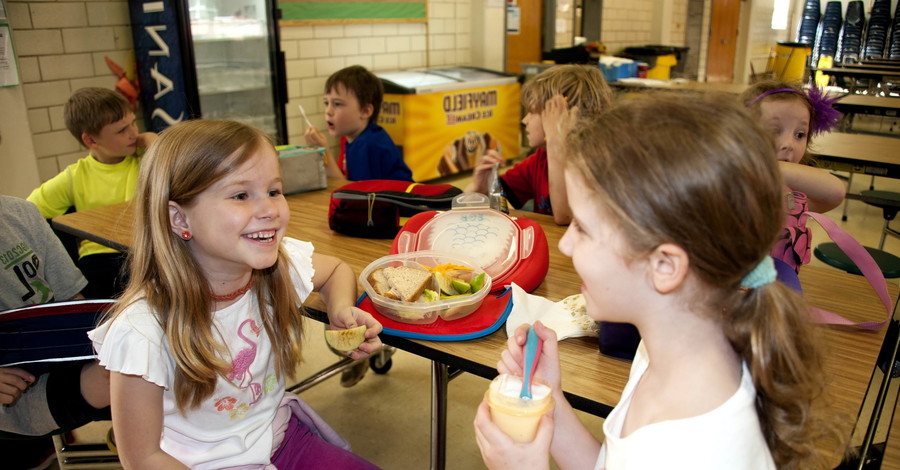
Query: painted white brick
[
  {"x": 326, "y": 67},
  {"x": 38, "y": 42},
  {"x": 464, "y": 56},
  {"x": 384, "y": 29},
  {"x": 398, "y": 44},
  {"x": 53, "y": 143},
  {"x": 105, "y": 81},
  {"x": 345, "y": 46},
  {"x": 47, "y": 168},
  {"x": 444, "y": 41},
  {"x": 39, "y": 120},
  {"x": 441, "y": 10},
  {"x": 58, "y": 15},
  {"x": 19, "y": 16},
  {"x": 310, "y": 105},
  {"x": 290, "y": 49},
  {"x": 125, "y": 59},
  {"x": 57, "y": 67},
  {"x": 328, "y": 31},
  {"x": 293, "y": 88},
  {"x": 358, "y": 31},
  {"x": 463, "y": 11},
  {"x": 57, "y": 122},
  {"x": 411, "y": 59},
  {"x": 312, "y": 86},
  {"x": 436, "y": 58},
  {"x": 462, "y": 41},
  {"x": 411, "y": 28},
  {"x": 46, "y": 93},
  {"x": 296, "y": 32},
  {"x": 372, "y": 45},
  {"x": 384, "y": 62},
  {"x": 88, "y": 39},
  {"x": 363, "y": 60},
  {"x": 314, "y": 48},
  {"x": 418, "y": 44},
  {"x": 108, "y": 13},
  {"x": 300, "y": 68},
  {"x": 29, "y": 69},
  {"x": 123, "y": 37},
  {"x": 438, "y": 26}
]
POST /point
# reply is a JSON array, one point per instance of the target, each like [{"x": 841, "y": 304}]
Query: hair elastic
[
  {"x": 764, "y": 273},
  {"x": 826, "y": 117}
]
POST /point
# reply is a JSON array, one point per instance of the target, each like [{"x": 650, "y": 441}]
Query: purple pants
[{"x": 303, "y": 449}]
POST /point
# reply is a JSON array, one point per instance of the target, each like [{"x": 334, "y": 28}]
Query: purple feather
[{"x": 827, "y": 117}]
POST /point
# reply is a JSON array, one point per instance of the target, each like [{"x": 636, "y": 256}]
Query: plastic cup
[{"x": 515, "y": 416}]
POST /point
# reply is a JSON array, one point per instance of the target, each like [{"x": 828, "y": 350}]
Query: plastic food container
[
  {"x": 422, "y": 312},
  {"x": 483, "y": 234}
]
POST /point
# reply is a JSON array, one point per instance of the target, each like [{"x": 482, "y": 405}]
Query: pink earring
[{"x": 186, "y": 235}]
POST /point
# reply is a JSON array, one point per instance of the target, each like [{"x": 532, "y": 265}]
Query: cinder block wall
[
  {"x": 60, "y": 48},
  {"x": 315, "y": 52}
]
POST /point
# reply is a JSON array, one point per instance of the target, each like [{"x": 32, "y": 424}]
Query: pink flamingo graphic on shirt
[{"x": 240, "y": 366}]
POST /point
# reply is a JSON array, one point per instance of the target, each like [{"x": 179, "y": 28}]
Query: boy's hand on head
[
  {"x": 557, "y": 118},
  {"x": 481, "y": 174},
  {"x": 146, "y": 139},
  {"x": 351, "y": 317},
  {"x": 314, "y": 137},
  {"x": 13, "y": 381}
]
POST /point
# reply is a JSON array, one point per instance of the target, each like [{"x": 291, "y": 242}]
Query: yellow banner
[{"x": 444, "y": 133}]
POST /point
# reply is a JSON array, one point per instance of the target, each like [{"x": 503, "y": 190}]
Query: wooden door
[
  {"x": 723, "y": 32},
  {"x": 524, "y": 47}
]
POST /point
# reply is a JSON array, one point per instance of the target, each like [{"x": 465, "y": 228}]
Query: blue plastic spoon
[{"x": 532, "y": 354}]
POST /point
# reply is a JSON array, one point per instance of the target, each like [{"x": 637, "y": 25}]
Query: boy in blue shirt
[{"x": 352, "y": 102}]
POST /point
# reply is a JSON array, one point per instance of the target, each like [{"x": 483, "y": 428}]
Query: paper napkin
[{"x": 567, "y": 317}]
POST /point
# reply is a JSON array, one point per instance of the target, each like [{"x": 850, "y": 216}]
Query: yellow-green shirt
[{"x": 87, "y": 184}]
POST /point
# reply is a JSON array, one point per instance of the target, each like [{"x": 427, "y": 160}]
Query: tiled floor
[{"x": 386, "y": 417}]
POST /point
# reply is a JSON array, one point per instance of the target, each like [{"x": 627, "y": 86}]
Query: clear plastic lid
[{"x": 472, "y": 230}]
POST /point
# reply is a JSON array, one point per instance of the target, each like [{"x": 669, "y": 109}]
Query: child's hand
[
  {"x": 352, "y": 317},
  {"x": 512, "y": 359},
  {"x": 314, "y": 137},
  {"x": 13, "y": 381},
  {"x": 481, "y": 174},
  {"x": 145, "y": 139},
  {"x": 499, "y": 451},
  {"x": 557, "y": 118}
]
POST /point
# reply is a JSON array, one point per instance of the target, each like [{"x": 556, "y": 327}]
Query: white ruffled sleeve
[
  {"x": 134, "y": 344},
  {"x": 300, "y": 254}
]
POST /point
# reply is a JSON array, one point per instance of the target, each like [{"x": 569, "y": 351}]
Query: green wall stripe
[{"x": 350, "y": 10}]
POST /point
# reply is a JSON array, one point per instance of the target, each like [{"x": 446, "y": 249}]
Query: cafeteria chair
[
  {"x": 831, "y": 254},
  {"x": 33, "y": 336}
]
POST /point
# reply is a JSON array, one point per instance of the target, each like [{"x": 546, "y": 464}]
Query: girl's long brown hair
[
  {"x": 184, "y": 161},
  {"x": 699, "y": 172}
]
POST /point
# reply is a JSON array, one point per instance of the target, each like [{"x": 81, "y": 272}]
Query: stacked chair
[
  {"x": 829, "y": 30},
  {"x": 809, "y": 23},
  {"x": 894, "y": 45},
  {"x": 850, "y": 42},
  {"x": 877, "y": 30}
]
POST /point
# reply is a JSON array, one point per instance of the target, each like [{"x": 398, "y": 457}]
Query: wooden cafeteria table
[
  {"x": 592, "y": 382},
  {"x": 858, "y": 153},
  {"x": 851, "y": 105},
  {"x": 876, "y": 76}
]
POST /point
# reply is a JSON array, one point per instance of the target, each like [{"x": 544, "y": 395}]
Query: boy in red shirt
[{"x": 551, "y": 99}]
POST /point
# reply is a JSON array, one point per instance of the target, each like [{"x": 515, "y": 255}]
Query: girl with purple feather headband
[{"x": 793, "y": 115}]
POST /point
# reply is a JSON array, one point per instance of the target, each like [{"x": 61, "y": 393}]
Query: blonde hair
[
  {"x": 183, "y": 162},
  {"x": 706, "y": 179},
  {"x": 749, "y": 98},
  {"x": 581, "y": 85}
]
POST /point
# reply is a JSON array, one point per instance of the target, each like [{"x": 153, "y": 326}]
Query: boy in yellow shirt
[{"x": 103, "y": 121}]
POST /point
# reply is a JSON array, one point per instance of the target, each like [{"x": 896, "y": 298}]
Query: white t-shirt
[
  {"x": 726, "y": 437},
  {"x": 234, "y": 425}
]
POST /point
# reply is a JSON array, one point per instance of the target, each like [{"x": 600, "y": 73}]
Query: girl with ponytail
[{"x": 677, "y": 202}]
